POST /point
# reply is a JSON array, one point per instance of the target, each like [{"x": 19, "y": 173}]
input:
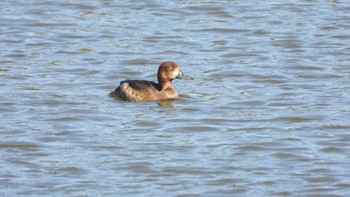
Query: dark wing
[{"x": 141, "y": 85}]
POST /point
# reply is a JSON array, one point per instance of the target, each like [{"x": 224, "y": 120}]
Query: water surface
[{"x": 267, "y": 114}]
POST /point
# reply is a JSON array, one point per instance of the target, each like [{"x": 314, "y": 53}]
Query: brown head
[{"x": 168, "y": 71}]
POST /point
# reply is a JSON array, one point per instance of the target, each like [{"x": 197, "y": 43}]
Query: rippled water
[{"x": 267, "y": 114}]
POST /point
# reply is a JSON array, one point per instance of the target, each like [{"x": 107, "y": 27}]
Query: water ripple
[{"x": 266, "y": 114}]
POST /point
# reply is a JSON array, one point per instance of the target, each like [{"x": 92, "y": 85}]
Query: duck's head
[{"x": 169, "y": 71}]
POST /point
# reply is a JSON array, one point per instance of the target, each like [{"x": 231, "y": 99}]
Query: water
[{"x": 267, "y": 114}]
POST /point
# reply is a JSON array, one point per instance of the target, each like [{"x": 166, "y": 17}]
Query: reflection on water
[
  {"x": 166, "y": 103},
  {"x": 267, "y": 114}
]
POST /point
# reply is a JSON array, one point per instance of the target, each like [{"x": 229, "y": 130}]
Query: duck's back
[{"x": 138, "y": 90}]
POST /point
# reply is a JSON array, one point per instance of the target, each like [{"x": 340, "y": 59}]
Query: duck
[{"x": 145, "y": 91}]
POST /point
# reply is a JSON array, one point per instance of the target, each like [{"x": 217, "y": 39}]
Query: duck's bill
[{"x": 181, "y": 75}]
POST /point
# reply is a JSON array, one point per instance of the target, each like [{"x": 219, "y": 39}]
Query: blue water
[{"x": 266, "y": 114}]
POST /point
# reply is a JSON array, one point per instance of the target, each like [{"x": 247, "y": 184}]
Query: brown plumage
[{"x": 142, "y": 91}]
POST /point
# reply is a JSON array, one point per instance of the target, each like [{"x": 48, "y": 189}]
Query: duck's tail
[{"x": 114, "y": 93}]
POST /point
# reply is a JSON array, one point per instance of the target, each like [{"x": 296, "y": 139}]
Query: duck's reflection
[{"x": 166, "y": 103}]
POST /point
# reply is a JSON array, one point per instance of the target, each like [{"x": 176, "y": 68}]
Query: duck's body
[{"x": 142, "y": 91}]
